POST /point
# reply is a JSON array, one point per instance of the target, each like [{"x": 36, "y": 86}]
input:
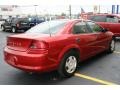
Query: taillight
[{"x": 38, "y": 47}]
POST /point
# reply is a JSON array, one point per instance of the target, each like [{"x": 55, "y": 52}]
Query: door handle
[{"x": 77, "y": 40}]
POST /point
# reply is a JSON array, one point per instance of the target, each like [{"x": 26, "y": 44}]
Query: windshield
[{"x": 48, "y": 27}]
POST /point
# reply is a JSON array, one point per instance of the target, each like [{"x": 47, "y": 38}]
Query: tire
[
  {"x": 2, "y": 28},
  {"x": 69, "y": 63},
  {"x": 13, "y": 30},
  {"x": 111, "y": 46}
]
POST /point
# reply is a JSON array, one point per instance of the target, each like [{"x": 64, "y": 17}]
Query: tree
[{"x": 63, "y": 14}]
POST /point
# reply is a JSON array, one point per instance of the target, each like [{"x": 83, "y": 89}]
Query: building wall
[{"x": 9, "y": 10}]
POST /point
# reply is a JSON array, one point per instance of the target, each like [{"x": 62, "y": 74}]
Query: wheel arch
[{"x": 67, "y": 49}]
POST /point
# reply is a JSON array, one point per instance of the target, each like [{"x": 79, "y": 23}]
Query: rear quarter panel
[{"x": 59, "y": 45}]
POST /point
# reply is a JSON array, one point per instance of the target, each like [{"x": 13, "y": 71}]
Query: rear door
[{"x": 85, "y": 39}]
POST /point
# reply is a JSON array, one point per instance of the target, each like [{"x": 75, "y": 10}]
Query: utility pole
[
  {"x": 70, "y": 11},
  {"x": 35, "y": 9},
  {"x": 99, "y": 8}
]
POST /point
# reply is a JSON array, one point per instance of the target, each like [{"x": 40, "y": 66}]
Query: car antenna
[{"x": 49, "y": 28}]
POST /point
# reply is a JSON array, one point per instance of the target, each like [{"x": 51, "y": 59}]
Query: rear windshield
[
  {"x": 48, "y": 27},
  {"x": 15, "y": 20}
]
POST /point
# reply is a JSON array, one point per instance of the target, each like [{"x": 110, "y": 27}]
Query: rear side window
[
  {"x": 112, "y": 19},
  {"x": 80, "y": 28},
  {"x": 98, "y": 18}
]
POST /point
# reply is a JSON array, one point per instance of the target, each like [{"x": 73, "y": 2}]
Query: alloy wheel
[{"x": 71, "y": 64}]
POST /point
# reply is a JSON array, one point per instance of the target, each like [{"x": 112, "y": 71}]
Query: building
[{"x": 9, "y": 10}]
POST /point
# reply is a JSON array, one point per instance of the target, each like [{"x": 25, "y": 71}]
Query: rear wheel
[
  {"x": 112, "y": 46},
  {"x": 68, "y": 64}
]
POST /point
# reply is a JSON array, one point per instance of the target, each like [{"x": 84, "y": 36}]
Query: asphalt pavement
[{"x": 99, "y": 70}]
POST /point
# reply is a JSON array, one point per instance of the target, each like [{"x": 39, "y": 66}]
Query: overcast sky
[
  {"x": 59, "y": 2},
  {"x": 59, "y": 6},
  {"x": 58, "y": 9}
]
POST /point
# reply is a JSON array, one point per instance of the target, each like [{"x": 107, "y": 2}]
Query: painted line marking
[
  {"x": 116, "y": 52},
  {"x": 94, "y": 79}
]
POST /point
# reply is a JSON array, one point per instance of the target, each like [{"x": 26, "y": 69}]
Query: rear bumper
[
  {"x": 18, "y": 28},
  {"x": 29, "y": 62}
]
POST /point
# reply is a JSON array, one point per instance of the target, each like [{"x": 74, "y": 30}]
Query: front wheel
[
  {"x": 68, "y": 64},
  {"x": 112, "y": 46}
]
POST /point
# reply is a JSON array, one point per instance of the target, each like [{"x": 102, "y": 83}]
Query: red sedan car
[
  {"x": 57, "y": 45},
  {"x": 109, "y": 21}
]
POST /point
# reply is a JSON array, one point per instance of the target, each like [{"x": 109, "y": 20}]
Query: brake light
[{"x": 38, "y": 47}]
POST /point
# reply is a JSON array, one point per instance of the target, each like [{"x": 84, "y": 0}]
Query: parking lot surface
[{"x": 99, "y": 70}]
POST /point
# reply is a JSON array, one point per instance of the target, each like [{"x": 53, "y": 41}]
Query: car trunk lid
[{"x": 22, "y": 42}]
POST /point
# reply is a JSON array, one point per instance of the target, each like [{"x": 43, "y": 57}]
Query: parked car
[
  {"x": 109, "y": 21},
  {"x": 16, "y": 24},
  {"x": 57, "y": 45},
  {"x": 35, "y": 20}
]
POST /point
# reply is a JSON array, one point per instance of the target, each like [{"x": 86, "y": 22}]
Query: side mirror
[{"x": 104, "y": 30}]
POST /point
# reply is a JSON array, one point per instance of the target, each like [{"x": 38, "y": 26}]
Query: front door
[{"x": 101, "y": 42}]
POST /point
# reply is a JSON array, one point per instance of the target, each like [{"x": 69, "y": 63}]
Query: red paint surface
[{"x": 50, "y": 50}]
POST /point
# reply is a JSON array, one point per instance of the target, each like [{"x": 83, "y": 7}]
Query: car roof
[
  {"x": 105, "y": 15},
  {"x": 72, "y": 20}
]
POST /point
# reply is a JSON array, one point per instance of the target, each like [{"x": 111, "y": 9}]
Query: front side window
[
  {"x": 94, "y": 27},
  {"x": 80, "y": 28}
]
